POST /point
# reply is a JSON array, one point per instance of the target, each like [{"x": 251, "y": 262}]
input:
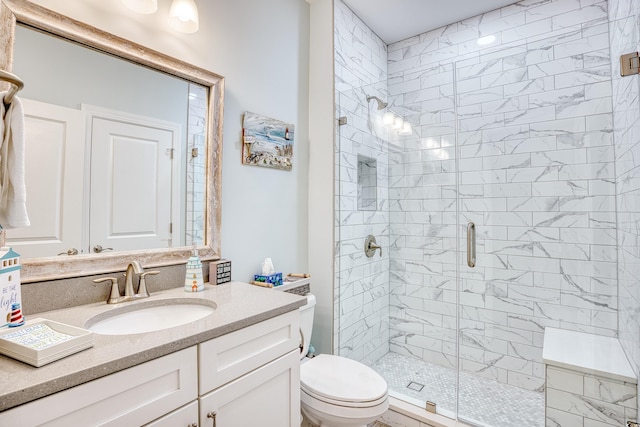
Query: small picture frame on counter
[{"x": 220, "y": 272}]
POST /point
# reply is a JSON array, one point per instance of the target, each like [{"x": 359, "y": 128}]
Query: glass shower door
[
  {"x": 501, "y": 375},
  {"x": 397, "y": 309},
  {"x": 423, "y": 218},
  {"x": 362, "y": 210}
]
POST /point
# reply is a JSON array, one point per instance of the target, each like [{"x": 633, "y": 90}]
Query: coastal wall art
[{"x": 267, "y": 142}]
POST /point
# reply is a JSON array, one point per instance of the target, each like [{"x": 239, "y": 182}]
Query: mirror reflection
[{"x": 115, "y": 152}]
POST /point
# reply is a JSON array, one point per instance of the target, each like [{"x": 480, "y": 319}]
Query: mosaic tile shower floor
[{"x": 483, "y": 401}]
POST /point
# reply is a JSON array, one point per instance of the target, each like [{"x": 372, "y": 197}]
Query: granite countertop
[{"x": 238, "y": 305}]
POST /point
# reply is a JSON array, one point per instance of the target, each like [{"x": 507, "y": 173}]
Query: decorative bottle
[{"x": 193, "y": 281}]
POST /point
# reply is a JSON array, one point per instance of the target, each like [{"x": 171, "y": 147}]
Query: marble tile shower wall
[
  {"x": 360, "y": 55},
  {"x": 625, "y": 38},
  {"x": 533, "y": 115},
  {"x": 361, "y": 317}
]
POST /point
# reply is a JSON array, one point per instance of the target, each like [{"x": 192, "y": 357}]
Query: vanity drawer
[
  {"x": 131, "y": 397},
  {"x": 184, "y": 417},
  {"x": 230, "y": 356}
]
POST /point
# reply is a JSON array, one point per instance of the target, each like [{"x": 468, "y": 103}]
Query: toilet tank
[{"x": 306, "y": 323}]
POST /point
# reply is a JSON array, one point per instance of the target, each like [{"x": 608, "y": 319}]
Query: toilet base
[
  {"x": 326, "y": 415},
  {"x": 311, "y": 421}
]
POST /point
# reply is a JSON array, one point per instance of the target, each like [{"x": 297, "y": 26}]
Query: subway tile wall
[
  {"x": 532, "y": 114},
  {"x": 196, "y": 185},
  {"x": 579, "y": 399},
  {"x": 361, "y": 317}
]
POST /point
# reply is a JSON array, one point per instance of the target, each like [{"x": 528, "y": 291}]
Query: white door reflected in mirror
[
  {"x": 54, "y": 139},
  {"x": 134, "y": 183}
]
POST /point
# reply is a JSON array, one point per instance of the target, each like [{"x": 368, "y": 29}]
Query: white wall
[{"x": 261, "y": 48}]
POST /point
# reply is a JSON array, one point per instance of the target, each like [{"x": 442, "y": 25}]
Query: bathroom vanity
[{"x": 238, "y": 366}]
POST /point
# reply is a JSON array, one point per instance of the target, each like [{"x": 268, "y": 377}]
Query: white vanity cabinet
[
  {"x": 132, "y": 397},
  {"x": 247, "y": 377},
  {"x": 252, "y": 376}
]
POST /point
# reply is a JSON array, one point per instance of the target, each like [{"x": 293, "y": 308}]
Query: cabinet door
[
  {"x": 267, "y": 397},
  {"x": 186, "y": 416}
]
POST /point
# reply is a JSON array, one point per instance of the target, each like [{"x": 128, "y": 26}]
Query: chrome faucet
[{"x": 133, "y": 268}]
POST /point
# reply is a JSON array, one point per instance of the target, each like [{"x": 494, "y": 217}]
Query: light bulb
[
  {"x": 388, "y": 119},
  {"x": 145, "y": 7},
  {"x": 406, "y": 129},
  {"x": 486, "y": 40},
  {"x": 397, "y": 123},
  {"x": 183, "y": 16}
]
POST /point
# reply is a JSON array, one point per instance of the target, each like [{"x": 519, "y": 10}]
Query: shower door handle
[{"x": 471, "y": 244}]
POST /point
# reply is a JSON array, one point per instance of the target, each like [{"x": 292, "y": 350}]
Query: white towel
[{"x": 13, "y": 191}]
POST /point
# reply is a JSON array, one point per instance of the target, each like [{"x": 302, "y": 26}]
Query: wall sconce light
[
  {"x": 388, "y": 119},
  {"x": 406, "y": 129},
  {"x": 183, "y": 16},
  {"x": 397, "y": 123},
  {"x": 145, "y": 7},
  {"x": 486, "y": 40}
]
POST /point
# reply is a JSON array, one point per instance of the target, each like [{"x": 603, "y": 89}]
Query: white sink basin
[{"x": 150, "y": 316}]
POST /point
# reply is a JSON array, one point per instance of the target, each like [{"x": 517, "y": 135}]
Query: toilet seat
[
  {"x": 342, "y": 382},
  {"x": 310, "y": 395}
]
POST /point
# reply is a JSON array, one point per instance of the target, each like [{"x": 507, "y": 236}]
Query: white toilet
[{"x": 336, "y": 391}]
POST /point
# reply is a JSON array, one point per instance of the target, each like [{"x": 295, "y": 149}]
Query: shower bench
[{"x": 589, "y": 380}]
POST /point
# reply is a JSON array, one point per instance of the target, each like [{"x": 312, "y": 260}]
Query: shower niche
[{"x": 367, "y": 183}]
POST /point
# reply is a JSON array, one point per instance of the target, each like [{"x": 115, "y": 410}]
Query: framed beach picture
[{"x": 267, "y": 142}]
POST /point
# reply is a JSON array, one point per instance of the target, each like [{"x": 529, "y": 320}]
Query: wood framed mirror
[{"x": 18, "y": 14}]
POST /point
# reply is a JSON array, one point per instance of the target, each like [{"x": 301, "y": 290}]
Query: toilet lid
[{"x": 341, "y": 379}]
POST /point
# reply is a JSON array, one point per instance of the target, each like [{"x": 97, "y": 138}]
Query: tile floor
[{"x": 483, "y": 402}]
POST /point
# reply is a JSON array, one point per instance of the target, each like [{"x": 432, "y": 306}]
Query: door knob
[
  {"x": 71, "y": 251},
  {"x": 97, "y": 249}
]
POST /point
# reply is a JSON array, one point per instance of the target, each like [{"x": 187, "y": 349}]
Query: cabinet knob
[
  {"x": 193, "y": 425},
  {"x": 212, "y": 415}
]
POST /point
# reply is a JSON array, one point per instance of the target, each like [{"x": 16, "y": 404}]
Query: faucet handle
[
  {"x": 370, "y": 246},
  {"x": 142, "y": 286},
  {"x": 114, "y": 296}
]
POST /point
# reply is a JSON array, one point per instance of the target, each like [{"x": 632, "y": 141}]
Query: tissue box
[{"x": 275, "y": 279}]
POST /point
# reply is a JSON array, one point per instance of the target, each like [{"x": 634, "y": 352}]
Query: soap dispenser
[{"x": 193, "y": 281}]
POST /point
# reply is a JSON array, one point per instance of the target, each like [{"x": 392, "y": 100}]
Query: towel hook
[{"x": 16, "y": 85}]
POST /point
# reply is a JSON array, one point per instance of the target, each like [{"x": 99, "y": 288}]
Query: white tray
[{"x": 25, "y": 343}]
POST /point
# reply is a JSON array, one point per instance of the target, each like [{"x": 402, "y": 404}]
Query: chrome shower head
[{"x": 381, "y": 104}]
